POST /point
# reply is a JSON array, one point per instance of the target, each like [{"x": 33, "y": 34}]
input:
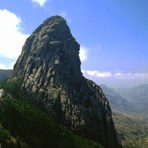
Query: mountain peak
[
  {"x": 51, "y": 45},
  {"x": 55, "y": 19},
  {"x": 55, "y": 27},
  {"x": 49, "y": 69}
]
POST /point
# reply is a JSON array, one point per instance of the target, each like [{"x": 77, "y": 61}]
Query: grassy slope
[{"x": 26, "y": 125}]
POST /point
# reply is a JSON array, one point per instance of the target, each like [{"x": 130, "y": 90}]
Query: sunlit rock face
[{"x": 49, "y": 69}]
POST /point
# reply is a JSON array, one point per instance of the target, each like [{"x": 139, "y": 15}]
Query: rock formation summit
[{"x": 49, "y": 69}]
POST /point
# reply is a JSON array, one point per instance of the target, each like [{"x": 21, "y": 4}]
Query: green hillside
[{"x": 23, "y": 124}]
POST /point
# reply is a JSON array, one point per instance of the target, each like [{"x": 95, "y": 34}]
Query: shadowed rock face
[{"x": 49, "y": 69}]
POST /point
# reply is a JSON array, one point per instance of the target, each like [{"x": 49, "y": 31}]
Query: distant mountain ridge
[
  {"x": 117, "y": 102},
  {"x": 137, "y": 97},
  {"x": 133, "y": 99},
  {"x": 4, "y": 74},
  {"x": 130, "y": 114}
]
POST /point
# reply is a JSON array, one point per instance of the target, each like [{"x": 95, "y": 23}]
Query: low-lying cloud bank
[
  {"x": 118, "y": 75},
  {"x": 116, "y": 79}
]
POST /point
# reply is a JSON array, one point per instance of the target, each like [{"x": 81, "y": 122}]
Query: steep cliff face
[{"x": 49, "y": 69}]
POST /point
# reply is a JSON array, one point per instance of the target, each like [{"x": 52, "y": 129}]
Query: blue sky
[{"x": 113, "y": 35}]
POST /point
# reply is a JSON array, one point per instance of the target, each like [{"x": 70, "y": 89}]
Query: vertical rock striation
[{"x": 49, "y": 69}]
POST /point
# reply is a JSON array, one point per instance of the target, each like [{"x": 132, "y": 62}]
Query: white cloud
[
  {"x": 83, "y": 53},
  {"x": 40, "y": 2},
  {"x": 10, "y": 66},
  {"x": 2, "y": 66},
  {"x": 98, "y": 74},
  {"x": 131, "y": 75},
  {"x": 104, "y": 74},
  {"x": 11, "y": 36},
  {"x": 118, "y": 75}
]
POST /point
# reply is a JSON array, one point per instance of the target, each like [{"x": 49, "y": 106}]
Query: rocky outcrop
[{"x": 49, "y": 69}]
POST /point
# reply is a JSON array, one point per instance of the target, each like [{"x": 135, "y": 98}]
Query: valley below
[
  {"x": 129, "y": 108},
  {"x": 132, "y": 129}
]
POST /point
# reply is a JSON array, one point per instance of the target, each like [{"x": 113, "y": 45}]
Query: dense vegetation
[{"x": 23, "y": 124}]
